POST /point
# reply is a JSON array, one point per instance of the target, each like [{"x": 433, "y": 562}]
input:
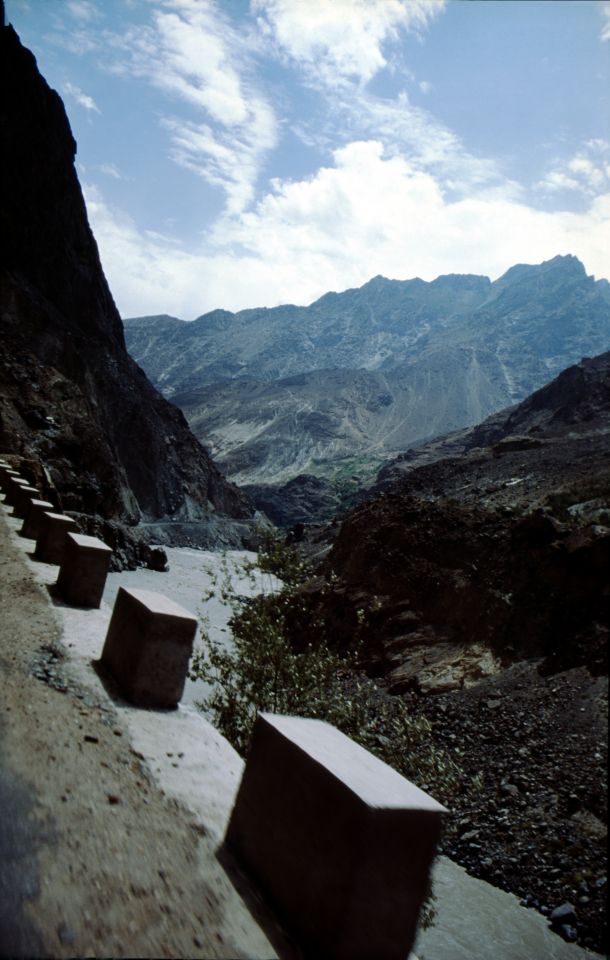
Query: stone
[
  {"x": 148, "y": 646},
  {"x": 33, "y": 519},
  {"x": 83, "y": 570},
  {"x": 5, "y": 475},
  {"x": 23, "y": 497},
  {"x": 565, "y": 914},
  {"x": 339, "y": 843},
  {"x": 65, "y": 935},
  {"x": 51, "y": 538}
]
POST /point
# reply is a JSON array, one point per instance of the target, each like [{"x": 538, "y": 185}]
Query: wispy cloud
[
  {"x": 83, "y": 99},
  {"x": 605, "y": 12},
  {"x": 192, "y": 52},
  {"x": 363, "y": 214},
  {"x": 341, "y": 42},
  {"x": 587, "y": 172},
  {"x": 83, "y": 10},
  {"x": 110, "y": 170},
  {"x": 340, "y": 46}
]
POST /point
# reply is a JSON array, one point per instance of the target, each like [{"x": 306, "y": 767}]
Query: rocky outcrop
[
  {"x": 451, "y": 593},
  {"x": 70, "y": 395},
  {"x": 551, "y": 451},
  {"x": 476, "y": 587},
  {"x": 296, "y": 501}
]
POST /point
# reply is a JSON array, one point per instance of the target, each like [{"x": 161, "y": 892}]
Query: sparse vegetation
[{"x": 264, "y": 671}]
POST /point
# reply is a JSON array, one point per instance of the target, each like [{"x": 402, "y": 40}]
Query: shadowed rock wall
[{"x": 69, "y": 393}]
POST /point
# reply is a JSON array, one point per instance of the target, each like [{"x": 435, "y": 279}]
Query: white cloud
[
  {"x": 84, "y": 10},
  {"x": 605, "y": 12},
  {"x": 341, "y": 40},
  {"x": 586, "y": 173},
  {"x": 83, "y": 99},
  {"x": 194, "y": 55},
  {"x": 366, "y": 214},
  {"x": 110, "y": 170},
  {"x": 339, "y": 45}
]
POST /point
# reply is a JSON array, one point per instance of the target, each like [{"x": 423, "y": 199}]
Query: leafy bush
[{"x": 263, "y": 671}]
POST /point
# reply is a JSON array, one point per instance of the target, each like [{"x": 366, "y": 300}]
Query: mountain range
[{"x": 339, "y": 388}]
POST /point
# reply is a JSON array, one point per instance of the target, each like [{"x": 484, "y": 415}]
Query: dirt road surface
[{"x": 95, "y": 859}]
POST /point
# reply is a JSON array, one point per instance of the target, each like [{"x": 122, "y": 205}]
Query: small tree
[{"x": 264, "y": 671}]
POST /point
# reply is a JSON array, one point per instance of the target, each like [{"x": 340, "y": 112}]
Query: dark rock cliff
[{"x": 70, "y": 395}]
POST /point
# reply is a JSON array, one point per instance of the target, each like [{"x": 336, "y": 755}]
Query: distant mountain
[
  {"x": 340, "y": 387},
  {"x": 70, "y": 395}
]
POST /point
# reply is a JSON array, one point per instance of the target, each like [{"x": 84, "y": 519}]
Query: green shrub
[{"x": 263, "y": 671}]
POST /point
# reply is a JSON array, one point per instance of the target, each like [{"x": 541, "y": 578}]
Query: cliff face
[{"x": 69, "y": 392}]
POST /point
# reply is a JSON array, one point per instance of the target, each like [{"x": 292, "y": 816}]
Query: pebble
[
  {"x": 565, "y": 914},
  {"x": 568, "y": 932},
  {"x": 66, "y": 936}
]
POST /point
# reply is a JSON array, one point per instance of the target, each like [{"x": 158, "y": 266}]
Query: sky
[{"x": 245, "y": 153}]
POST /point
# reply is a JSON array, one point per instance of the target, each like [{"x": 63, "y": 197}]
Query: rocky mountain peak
[{"x": 553, "y": 271}]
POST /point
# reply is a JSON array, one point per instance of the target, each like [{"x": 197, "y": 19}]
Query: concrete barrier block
[
  {"x": 51, "y": 538},
  {"x": 83, "y": 570},
  {"x": 6, "y": 472},
  {"x": 148, "y": 647},
  {"x": 12, "y": 489},
  {"x": 23, "y": 498},
  {"x": 340, "y": 843},
  {"x": 33, "y": 518}
]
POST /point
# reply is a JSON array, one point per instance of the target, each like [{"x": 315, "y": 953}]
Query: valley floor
[{"x": 115, "y": 815}]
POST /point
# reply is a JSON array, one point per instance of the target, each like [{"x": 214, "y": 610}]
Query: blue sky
[{"x": 237, "y": 154}]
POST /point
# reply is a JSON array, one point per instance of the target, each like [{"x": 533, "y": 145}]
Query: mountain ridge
[{"x": 358, "y": 377}]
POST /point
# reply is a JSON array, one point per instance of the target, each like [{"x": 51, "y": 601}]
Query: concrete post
[
  {"x": 83, "y": 570},
  {"x": 148, "y": 647},
  {"x": 23, "y": 498},
  {"x": 339, "y": 842},
  {"x": 6, "y": 472},
  {"x": 33, "y": 519},
  {"x": 12, "y": 489},
  {"x": 51, "y": 539}
]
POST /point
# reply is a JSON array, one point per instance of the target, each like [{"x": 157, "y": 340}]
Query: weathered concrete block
[
  {"x": 339, "y": 842},
  {"x": 51, "y": 539},
  {"x": 12, "y": 489},
  {"x": 33, "y": 518},
  {"x": 83, "y": 570},
  {"x": 6, "y": 472},
  {"x": 23, "y": 498},
  {"x": 148, "y": 647}
]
